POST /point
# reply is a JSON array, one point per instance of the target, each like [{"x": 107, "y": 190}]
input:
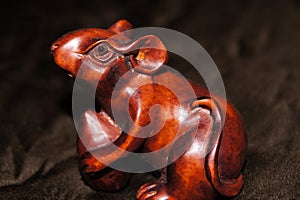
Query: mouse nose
[{"x": 53, "y": 47}]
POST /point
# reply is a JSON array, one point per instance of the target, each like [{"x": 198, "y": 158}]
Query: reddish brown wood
[{"x": 189, "y": 177}]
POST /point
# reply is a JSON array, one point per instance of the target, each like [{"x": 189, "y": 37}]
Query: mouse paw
[
  {"x": 148, "y": 190},
  {"x": 89, "y": 164},
  {"x": 153, "y": 191}
]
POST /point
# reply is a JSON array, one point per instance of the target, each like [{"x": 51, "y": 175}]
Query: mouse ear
[
  {"x": 120, "y": 26},
  {"x": 147, "y": 54}
]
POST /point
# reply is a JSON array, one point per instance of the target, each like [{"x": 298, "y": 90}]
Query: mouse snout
[{"x": 53, "y": 47}]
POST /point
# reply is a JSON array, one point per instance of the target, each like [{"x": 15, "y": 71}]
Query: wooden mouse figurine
[{"x": 192, "y": 176}]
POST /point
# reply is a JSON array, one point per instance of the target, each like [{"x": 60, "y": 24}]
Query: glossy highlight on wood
[{"x": 191, "y": 176}]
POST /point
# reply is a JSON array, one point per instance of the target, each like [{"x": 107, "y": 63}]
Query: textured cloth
[{"x": 255, "y": 45}]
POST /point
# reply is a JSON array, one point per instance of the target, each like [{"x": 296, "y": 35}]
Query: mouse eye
[
  {"x": 102, "y": 49},
  {"x": 102, "y": 52}
]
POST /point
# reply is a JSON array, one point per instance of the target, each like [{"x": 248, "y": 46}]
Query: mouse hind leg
[{"x": 186, "y": 178}]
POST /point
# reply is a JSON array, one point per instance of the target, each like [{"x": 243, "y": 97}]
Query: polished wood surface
[{"x": 192, "y": 176}]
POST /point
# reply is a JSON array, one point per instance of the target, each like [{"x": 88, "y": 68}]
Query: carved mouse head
[{"x": 102, "y": 53}]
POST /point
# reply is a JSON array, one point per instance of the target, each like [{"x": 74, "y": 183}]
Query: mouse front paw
[{"x": 89, "y": 164}]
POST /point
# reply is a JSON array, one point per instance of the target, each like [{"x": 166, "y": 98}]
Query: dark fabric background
[{"x": 255, "y": 44}]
